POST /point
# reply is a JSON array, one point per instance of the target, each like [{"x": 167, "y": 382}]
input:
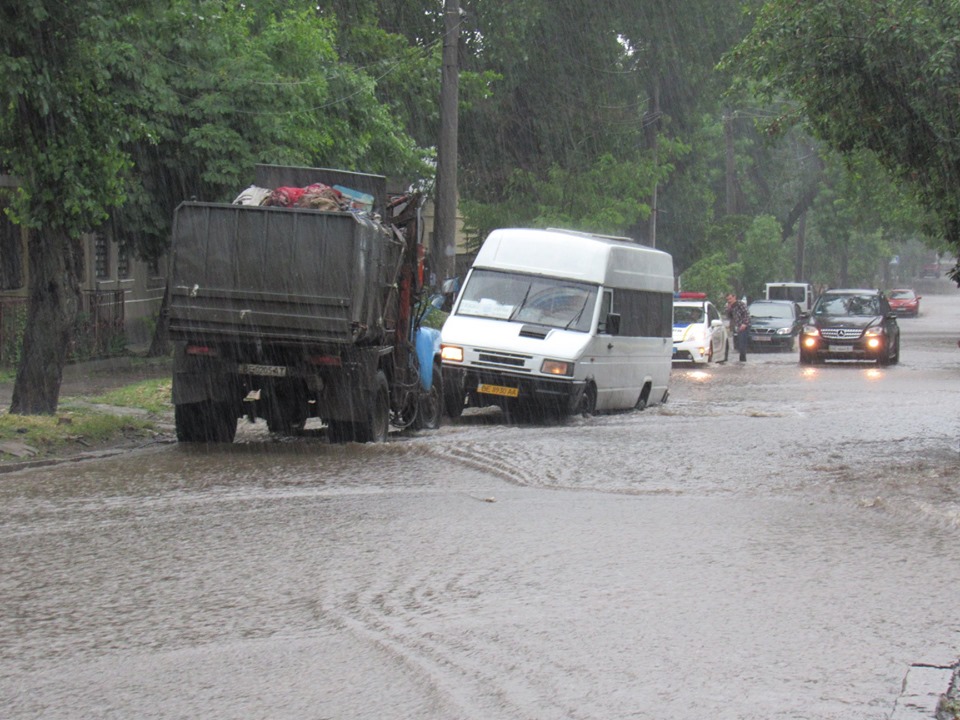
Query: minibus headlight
[
  {"x": 557, "y": 367},
  {"x": 451, "y": 353}
]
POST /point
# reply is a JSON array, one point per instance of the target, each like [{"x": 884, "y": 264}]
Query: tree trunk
[
  {"x": 56, "y": 265},
  {"x": 160, "y": 345},
  {"x": 801, "y": 248}
]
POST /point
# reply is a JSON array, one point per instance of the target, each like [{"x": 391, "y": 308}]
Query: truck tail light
[{"x": 325, "y": 360}]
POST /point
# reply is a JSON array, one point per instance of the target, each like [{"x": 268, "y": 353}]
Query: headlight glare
[
  {"x": 451, "y": 353},
  {"x": 557, "y": 367}
]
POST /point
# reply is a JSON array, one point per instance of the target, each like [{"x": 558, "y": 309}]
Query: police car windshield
[{"x": 687, "y": 314}]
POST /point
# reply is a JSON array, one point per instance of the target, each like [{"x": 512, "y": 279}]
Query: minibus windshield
[{"x": 529, "y": 299}]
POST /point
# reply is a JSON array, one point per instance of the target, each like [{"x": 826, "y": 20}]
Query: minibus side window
[{"x": 606, "y": 307}]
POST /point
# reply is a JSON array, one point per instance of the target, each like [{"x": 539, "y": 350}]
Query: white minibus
[{"x": 557, "y": 321}]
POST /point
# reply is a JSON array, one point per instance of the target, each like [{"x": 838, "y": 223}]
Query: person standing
[{"x": 739, "y": 324}]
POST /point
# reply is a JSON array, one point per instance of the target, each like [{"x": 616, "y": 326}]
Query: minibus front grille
[{"x": 502, "y": 359}]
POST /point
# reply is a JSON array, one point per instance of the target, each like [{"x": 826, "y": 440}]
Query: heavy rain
[{"x": 282, "y": 201}]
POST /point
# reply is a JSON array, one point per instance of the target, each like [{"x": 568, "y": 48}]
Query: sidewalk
[
  {"x": 84, "y": 380},
  {"x": 95, "y": 377}
]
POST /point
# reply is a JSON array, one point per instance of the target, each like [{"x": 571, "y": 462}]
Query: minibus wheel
[{"x": 588, "y": 400}]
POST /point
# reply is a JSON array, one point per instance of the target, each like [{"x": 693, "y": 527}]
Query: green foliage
[
  {"x": 60, "y": 131},
  {"x": 712, "y": 275},
  {"x": 607, "y": 198},
  {"x": 869, "y": 76},
  {"x": 763, "y": 257},
  {"x": 221, "y": 88},
  {"x": 755, "y": 255}
]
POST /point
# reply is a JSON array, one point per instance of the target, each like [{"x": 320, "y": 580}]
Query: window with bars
[
  {"x": 102, "y": 258},
  {"x": 123, "y": 263}
]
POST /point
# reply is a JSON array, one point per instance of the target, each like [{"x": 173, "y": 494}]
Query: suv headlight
[
  {"x": 811, "y": 330},
  {"x": 875, "y": 331}
]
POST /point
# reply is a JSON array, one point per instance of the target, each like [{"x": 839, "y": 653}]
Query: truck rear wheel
[
  {"x": 208, "y": 422},
  {"x": 287, "y": 411},
  {"x": 376, "y": 425}
]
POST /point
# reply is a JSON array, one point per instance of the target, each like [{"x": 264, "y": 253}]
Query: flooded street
[{"x": 777, "y": 541}]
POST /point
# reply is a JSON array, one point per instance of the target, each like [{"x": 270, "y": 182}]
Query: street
[{"x": 776, "y": 541}]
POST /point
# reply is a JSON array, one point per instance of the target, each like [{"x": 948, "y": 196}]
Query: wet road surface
[{"x": 775, "y": 542}]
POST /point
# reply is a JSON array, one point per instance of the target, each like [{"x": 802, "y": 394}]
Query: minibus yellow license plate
[{"x": 498, "y": 390}]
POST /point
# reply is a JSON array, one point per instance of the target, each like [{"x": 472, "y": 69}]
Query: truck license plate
[
  {"x": 268, "y": 370},
  {"x": 498, "y": 390}
]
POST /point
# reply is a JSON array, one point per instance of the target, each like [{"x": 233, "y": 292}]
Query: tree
[
  {"x": 60, "y": 136},
  {"x": 881, "y": 77},
  {"x": 117, "y": 112}
]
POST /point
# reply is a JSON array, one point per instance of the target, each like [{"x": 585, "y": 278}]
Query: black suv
[{"x": 851, "y": 325}]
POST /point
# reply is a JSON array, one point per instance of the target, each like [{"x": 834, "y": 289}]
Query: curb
[
  {"x": 17, "y": 465},
  {"x": 925, "y": 688}
]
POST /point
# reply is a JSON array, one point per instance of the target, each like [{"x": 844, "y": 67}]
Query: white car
[{"x": 699, "y": 333}]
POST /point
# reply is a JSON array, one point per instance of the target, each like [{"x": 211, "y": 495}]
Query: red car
[{"x": 905, "y": 303}]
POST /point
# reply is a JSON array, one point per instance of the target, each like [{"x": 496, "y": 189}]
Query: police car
[{"x": 699, "y": 333}]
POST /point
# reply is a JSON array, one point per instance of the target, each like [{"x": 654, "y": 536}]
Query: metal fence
[
  {"x": 99, "y": 331},
  {"x": 100, "y": 326},
  {"x": 13, "y": 318}
]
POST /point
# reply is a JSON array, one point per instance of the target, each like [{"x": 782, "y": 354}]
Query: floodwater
[{"x": 776, "y": 541}]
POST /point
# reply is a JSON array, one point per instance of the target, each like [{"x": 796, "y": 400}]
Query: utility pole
[{"x": 443, "y": 245}]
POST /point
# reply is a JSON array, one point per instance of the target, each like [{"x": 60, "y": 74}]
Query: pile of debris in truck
[{"x": 316, "y": 196}]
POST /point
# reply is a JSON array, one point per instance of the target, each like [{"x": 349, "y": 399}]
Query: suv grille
[{"x": 841, "y": 333}]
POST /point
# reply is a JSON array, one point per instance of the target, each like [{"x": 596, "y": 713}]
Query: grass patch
[
  {"x": 79, "y": 423},
  {"x": 74, "y": 428},
  {"x": 151, "y": 395}
]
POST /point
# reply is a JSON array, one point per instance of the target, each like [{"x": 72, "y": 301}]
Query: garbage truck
[{"x": 287, "y": 310}]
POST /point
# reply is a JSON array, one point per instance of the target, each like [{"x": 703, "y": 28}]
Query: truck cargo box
[{"x": 289, "y": 275}]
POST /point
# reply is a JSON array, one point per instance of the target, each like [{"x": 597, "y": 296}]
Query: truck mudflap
[{"x": 197, "y": 379}]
